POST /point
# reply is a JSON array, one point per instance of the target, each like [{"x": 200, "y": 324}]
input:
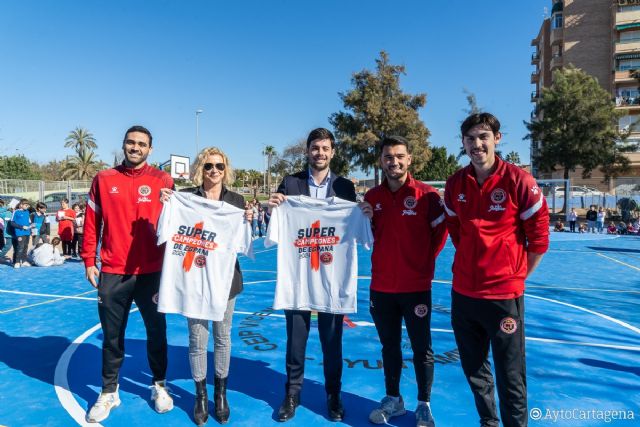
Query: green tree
[
  {"x": 377, "y": 107},
  {"x": 440, "y": 167},
  {"x": 80, "y": 139},
  {"x": 294, "y": 159},
  {"x": 578, "y": 127},
  {"x": 18, "y": 167},
  {"x": 82, "y": 166},
  {"x": 513, "y": 157},
  {"x": 52, "y": 171}
]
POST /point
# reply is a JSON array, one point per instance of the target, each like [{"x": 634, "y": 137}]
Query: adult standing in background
[
  {"x": 124, "y": 208},
  {"x": 66, "y": 218}
]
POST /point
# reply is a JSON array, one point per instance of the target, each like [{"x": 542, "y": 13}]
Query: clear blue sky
[{"x": 264, "y": 72}]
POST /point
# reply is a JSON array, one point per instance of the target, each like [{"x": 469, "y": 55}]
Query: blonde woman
[{"x": 212, "y": 174}]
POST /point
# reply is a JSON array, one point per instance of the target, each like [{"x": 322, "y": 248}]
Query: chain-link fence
[{"x": 49, "y": 192}]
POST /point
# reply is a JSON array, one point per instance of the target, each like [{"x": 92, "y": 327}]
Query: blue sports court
[{"x": 583, "y": 348}]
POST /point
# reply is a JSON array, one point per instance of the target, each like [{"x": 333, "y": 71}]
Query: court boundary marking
[{"x": 75, "y": 410}]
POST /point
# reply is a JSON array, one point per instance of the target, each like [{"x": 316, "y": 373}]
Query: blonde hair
[{"x": 198, "y": 170}]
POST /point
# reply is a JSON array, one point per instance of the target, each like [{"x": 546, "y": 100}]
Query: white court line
[
  {"x": 259, "y": 281},
  {"x": 259, "y": 271},
  {"x": 619, "y": 262},
  {"x": 50, "y": 295},
  {"x": 266, "y": 250},
  {"x": 61, "y": 382},
  {"x": 74, "y": 409},
  {"x": 44, "y": 302},
  {"x": 586, "y": 310}
]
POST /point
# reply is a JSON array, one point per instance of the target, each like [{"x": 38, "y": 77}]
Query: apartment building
[{"x": 601, "y": 37}]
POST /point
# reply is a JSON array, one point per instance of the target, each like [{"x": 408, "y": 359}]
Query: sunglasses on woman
[{"x": 209, "y": 166}]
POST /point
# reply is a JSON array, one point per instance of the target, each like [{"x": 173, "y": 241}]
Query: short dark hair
[
  {"x": 321, "y": 133},
  {"x": 55, "y": 241},
  {"x": 40, "y": 205},
  {"x": 25, "y": 201},
  {"x": 65, "y": 200},
  {"x": 141, "y": 129},
  {"x": 485, "y": 119},
  {"x": 393, "y": 140},
  {"x": 75, "y": 205}
]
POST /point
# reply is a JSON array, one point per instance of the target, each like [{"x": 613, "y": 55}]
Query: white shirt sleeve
[
  {"x": 274, "y": 228},
  {"x": 364, "y": 235},
  {"x": 244, "y": 242},
  {"x": 164, "y": 221}
]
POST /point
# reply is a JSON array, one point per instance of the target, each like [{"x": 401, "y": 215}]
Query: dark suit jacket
[
  {"x": 298, "y": 184},
  {"x": 236, "y": 200}
]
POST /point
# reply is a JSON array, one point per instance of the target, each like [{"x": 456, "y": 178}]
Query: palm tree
[
  {"x": 82, "y": 166},
  {"x": 80, "y": 139},
  {"x": 270, "y": 152}
]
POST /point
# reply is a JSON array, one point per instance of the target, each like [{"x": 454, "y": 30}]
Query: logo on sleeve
[
  {"x": 461, "y": 198},
  {"x": 535, "y": 190},
  {"x": 498, "y": 196},
  {"x": 316, "y": 243},
  {"x": 378, "y": 207},
  {"x": 508, "y": 325}
]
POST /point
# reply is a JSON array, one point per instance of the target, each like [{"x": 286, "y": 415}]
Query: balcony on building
[
  {"x": 535, "y": 58},
  {"x": 627, "y": 67},
  {"x": 556, "y": 61},
  {"x": 535, "y": 95},
  {"x": 535, "y": 77},
  {"x": 557, "y": 23},
  {"x": 627, "y": 14},
  {"x": 628, "y": 102}
]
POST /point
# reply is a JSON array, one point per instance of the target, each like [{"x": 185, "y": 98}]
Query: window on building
[
  {"x": 629, "y": 36},
  {"x": 628, "y": 7},
  {"x": 628, "y": 64},
  {"x": 556, "y": 51},
  {"x": 556, "y": 20},
  {"x": 626, "y": 121}
]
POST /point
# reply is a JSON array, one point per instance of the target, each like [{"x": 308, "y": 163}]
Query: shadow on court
[
  {"x": 37, "y": 358},
  {"x": 620, "y": 250},
  {"x": 611, "y": 366}
]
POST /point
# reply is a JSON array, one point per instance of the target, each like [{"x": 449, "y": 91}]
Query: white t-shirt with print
[
  {"x": 317, "y": 253},
  {"x": 203, "y": 238}
]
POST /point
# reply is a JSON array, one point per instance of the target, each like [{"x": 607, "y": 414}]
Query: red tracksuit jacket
[
  {"x": 493, "y": 226},
  {"x": 125, "y": 204},
  {"x": 409, "y": 232}
]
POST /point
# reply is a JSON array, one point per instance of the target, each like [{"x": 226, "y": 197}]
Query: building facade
[{"x": 602, "y": 38}]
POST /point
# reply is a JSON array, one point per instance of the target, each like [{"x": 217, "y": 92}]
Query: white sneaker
[
  {"x": 389, "y": 408},
  {"x": 26, "y": 264},
  {"x": 160, "y": 394},
  {"x": 424, "y": 418},
  {"x": 103, "y": 406},
  {"x": 16, "y": 265}
]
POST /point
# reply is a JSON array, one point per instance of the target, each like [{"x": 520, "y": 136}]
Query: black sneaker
[{"x": 334, "y": 407}]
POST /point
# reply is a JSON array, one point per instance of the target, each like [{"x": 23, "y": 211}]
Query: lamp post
[{"x": 198, "y": 112}]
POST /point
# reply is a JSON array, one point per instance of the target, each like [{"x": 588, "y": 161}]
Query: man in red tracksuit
[
  {"x": 409, "y": 231},
  {"x": 122, "y": 212},
  {"x": 499, "y": 223}
]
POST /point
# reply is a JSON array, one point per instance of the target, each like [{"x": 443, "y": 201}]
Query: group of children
[
  {"x": 23, "y": 224},
  {"x": 595, "y": 223},
  {"x": 259, "y": 221}
]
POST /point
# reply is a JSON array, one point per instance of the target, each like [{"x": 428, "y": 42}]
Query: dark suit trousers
[{"x": 330, "y": 331}]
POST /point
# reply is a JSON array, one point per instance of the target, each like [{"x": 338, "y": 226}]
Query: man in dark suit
[{"x": 319, "y": 182}]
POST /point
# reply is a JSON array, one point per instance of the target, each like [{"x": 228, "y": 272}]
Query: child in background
[
  {"x": 47, "y": 254},
  {"x": 611, "y": 229},
  {"x": 39, "y": 232},
  {"x": 78, "y": 230},
  {"x": 21, "y": 225},
  {"x": 5, "y": 215}
]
